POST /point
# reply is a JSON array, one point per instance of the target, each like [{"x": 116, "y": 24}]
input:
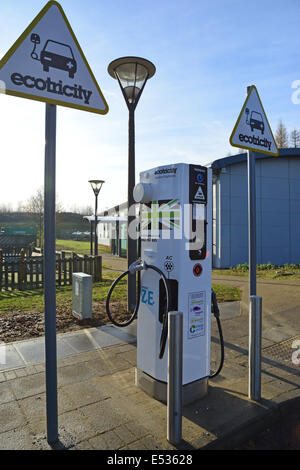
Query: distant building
[
  {"x": 277, "y": 206},
  {"x": 13, "y": 240},
  {"x": 112, "y": 228}
]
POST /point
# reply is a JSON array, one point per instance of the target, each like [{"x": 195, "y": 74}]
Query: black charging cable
[
  {"x": 137, "y": 267},
  {"x": 215, "y": 310},
  {"x": 112, "y": 287}
]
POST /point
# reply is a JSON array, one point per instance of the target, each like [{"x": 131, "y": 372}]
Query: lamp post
[
  {"x": 132, "y": 74},
  {"x": 96, "y": 186}
]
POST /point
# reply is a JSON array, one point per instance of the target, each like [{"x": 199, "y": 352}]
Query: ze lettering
[{"x": 147, "y": 296}]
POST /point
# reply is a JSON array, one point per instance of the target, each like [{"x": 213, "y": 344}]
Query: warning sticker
[
  {"x": 199, "y": 194},
  {"x": 198, "y": 184},
  {"x": 196, "y": 306}
]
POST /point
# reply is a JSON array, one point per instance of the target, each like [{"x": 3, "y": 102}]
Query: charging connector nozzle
[{"x": 137, "y": 265}]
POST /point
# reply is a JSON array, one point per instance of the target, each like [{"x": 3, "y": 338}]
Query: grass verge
[
  {"x": 264, "y": 271},
  {"x": 22, "y": 313},
  {"x": 79, "y": 247},
  {"x": 33, "y": 300}
]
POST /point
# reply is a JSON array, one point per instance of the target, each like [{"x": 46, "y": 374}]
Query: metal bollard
[
  {"x": 174, "y": 392},
  {"x": 255, "y": 322}
]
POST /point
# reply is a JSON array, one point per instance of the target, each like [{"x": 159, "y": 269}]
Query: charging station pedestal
[{"x": 175, "y": 205}]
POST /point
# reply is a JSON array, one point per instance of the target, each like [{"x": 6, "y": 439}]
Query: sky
[{"x": 205, "y": 52}]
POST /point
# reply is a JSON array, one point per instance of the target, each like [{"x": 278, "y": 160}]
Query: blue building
[{"x": 277, "y": 206}]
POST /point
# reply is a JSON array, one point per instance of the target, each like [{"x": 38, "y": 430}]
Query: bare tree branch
[{"x": 281, "y": 136}]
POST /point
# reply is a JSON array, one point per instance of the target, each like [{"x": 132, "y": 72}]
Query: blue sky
[{"x": 205, "y": 53}]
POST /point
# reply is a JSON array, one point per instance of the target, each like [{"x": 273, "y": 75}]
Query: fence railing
[{"x": 28, "y": 273}]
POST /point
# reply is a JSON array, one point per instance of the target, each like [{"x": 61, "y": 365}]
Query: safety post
[
  {"x": 255, "y": 322},
  {"x": 174, "y": 391}
]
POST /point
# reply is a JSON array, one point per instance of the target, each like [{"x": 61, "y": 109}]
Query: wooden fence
[{"x": 28, "y": 273}]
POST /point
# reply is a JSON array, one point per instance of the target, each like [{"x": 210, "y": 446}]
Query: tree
[
  {"x": 295, "y": 138},
  {"x": 5, "y": 208},
  {"x": 35, "y": 205},
  {"x": 281, "y": 136},
  {"x": 82, "y": 210}
]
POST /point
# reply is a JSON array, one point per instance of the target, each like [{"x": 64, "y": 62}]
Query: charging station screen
[
  {"x": 198, "y": 200},
  {"x": 199, "y": 212}
]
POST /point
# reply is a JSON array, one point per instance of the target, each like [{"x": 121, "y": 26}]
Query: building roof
[
  {"x": 105, "y": 219},
  {"x": 242, "y": 157},
  {"x": 16, "y": 241}
]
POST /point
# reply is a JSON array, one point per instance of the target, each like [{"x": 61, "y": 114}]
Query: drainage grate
[{"x": 283, "y": 352}]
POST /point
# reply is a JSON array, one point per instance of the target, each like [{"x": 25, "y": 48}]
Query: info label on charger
[{"x": 196, "y": 307}]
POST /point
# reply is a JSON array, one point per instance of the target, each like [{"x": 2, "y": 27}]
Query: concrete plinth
[{"x": 158, "y": 390}]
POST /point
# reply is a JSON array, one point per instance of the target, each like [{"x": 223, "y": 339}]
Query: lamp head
[
  {"x": 132, "y": 74},
  {"x": 96, "y": 186}
]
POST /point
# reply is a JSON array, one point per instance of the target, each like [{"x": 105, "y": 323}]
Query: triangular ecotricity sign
[
  {"x": 252, "y": 130},
  {"x": 47, "y": 64}
]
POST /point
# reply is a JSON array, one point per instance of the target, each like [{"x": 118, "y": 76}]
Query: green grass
[
  {"x": 79, "y": 247},
  {"x": 33, "y": 300},
  {"x": 226, "y": 293},
  {"x": 264, "y": 271}
]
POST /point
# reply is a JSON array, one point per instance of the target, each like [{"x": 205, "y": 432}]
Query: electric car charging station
[{"x": 174, "y": 274}]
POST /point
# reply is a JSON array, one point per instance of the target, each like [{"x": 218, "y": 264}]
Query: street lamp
[
  {"x": 96, "y": 186},
  {"x": 132, "y": 74}
]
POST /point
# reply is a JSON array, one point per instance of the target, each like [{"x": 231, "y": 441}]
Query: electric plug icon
[{"x": 35, "y": 38}]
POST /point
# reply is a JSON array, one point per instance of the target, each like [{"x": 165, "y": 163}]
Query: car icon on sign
[
  {"x": 256, "y": 122},
  {"x": 58, "y": 55}
]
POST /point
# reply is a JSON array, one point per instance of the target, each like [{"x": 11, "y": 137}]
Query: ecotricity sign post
[
  {"x": 253, "y": 132},
  {"x": 47, "y": 64}
]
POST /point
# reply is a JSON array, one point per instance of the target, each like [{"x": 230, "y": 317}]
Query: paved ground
[
  {"x": 101, "y": 408},
  {"x": 32, "y": 351}
]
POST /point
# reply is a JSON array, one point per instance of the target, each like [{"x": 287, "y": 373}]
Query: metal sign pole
[
  {"x": 254, "y": 385},
  {"x": 252, "y": 222},
  {"x": 50, "y": 275},
  {"x": 90, "y": 98}
]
